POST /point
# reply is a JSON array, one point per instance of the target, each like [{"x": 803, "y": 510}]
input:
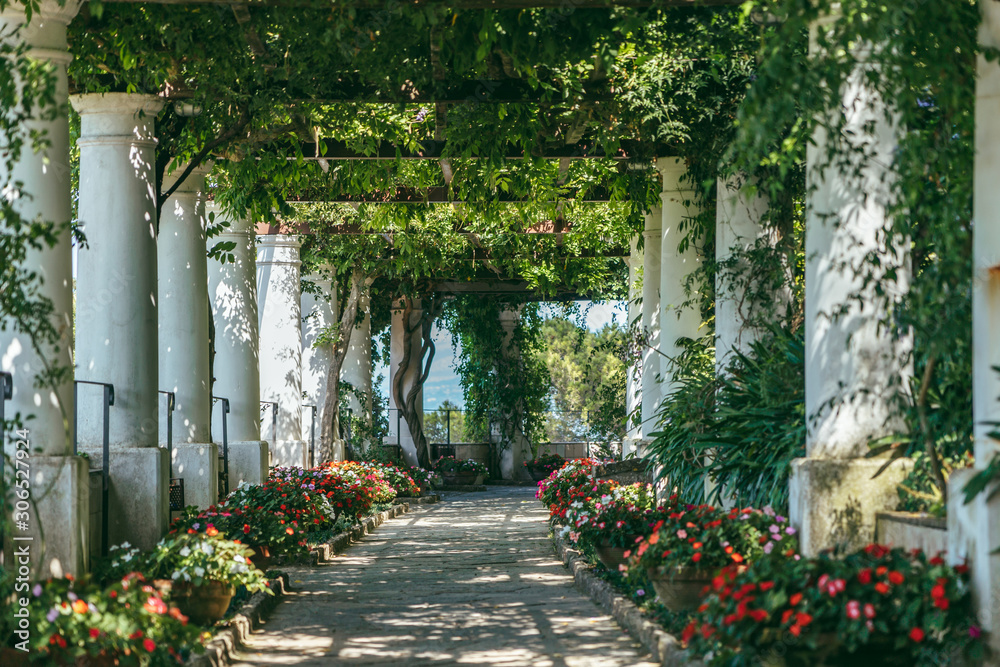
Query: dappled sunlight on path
[{"x": 470, "y": 581}]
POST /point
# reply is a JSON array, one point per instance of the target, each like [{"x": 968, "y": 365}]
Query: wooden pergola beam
[
  {"x": 455, "y": 4},
  {"x": 542, "y": 228},
  {"x": 435, "y": 150},
  {"x": 437, "y": 195}
]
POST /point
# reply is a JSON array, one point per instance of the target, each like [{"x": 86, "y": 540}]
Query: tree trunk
[
  {"x": 407, "y": 403},
  {"x": 331, "y": 405}
]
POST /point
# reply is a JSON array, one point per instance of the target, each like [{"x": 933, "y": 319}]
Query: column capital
[
  {"x": 989, "y": 30},
  {"x": 46, "y": 11},
  {"x": 654, "y": 222},
  {"x": 110, "y": 118},
  {"x": 237, "y": 224},
  {"x": 274, "y": 249},
  {"x": 194, "y": 183}
]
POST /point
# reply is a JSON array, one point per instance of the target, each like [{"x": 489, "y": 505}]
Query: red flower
[
  {"x": 148, "y": 644},
  {"x": 795, "y": 599},
  {"x": 795, "y": 630},
  {"x": 696, "y": 557},
  {"x": 758, "y": 615},
  {"x": 865, "y": 576},
  {"x": 766, "y": 585},
  {"x": 937, "y": 591},
  {"x": 941, "y": 603},
  {"x": 869, "y": 610},
  {"x": 803, "y": 619},
  {"x": 882, "y": 587},
  {"x": 917, "y": 635},
  {"x": 896, "y": 578},
  {"x": 853, "y": 609},
  {"x": 94, "y": 633},
  {"x": 689, "y": 632}
]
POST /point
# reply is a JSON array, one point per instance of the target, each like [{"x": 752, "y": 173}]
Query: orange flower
[
  {"x": 697, "y": 545},
  {"x": 212, "y": 531},
  {"x": 654, "y": 538},
  {"x": 80, "y": 607},
  {"x": 290, "y": 531}
]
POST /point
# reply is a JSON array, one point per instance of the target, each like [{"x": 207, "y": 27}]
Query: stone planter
[
  {"x": 611, "y": 557},
  {"x": 459, "y": 478},
  {"x": 204, "y": 604},
  {"x": 910, "y": 530},
  {"x": 679, "y": 589},
  {"x": 538, "y": 474}
]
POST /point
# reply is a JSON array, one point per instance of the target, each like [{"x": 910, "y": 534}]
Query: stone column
[
  {"x": 633, "y": 382},
  {"x": 650, "y": 399},
  {"x": 183, "y": 313},
  {"x": 357, "y": 368},
  {"x": 854, "y": 371},
  {"x": 318, "y": 314},
  {"x": 519, "y": 450},
  {"x": 974, "y": 529},
  {"x": 116, "y": 307},
  {"x": 232, "y": 288},
  {"x": 59, "y": 480},
  {"x": 738, "y": 229},
  {"x": 280, "y": 295},
  {"x": 675, "y": 322},
  {"x": 399, "y": 432}
]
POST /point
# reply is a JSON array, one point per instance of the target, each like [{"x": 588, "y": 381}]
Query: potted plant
[
  {"x": 268, "y": 534},
  {"x": 544, "y": 465},
  {"x": 571, "y": 483},
  {"x": 76, "y": 622},
  {"x": 691, "y": 544},
  {"x": 426, "y": 479},
  {"x": 203, "y": 571},
  {"x": 460, "y": 471},
  {"x": 611, "y": 523},
  {"x": 877, "y": 606}
]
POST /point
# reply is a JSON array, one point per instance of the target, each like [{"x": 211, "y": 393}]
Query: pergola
[{"x": 146, "y": 292}]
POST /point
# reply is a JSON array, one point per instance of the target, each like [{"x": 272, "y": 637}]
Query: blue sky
[{"x": 442, "y": 383}]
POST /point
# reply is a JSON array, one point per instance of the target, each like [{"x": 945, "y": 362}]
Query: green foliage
[
  {"x": 446, "y": 424},
  {"x": 504, "y": 381},
  {"x": 588, "y": 377},
  {"x": 740, "y": 430}
]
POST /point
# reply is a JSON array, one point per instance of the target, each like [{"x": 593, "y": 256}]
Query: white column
[
  {"x": 280, "y": 295},
  {"x": 116, "y": 307},
  {"x": 679, "y": 204},
  {"x": 974, "y": 529},
  {"x": 59, "y": 480},
  {"x": 650, "y": 399},
  {"x": 853, "y": 368},
  {"x": 633, "y": 381},
  {"x": 738, "y": 229},
  {"x": 518, "y": 449},
  {"x": 357, "y": 368},
  {"x": 399, "y": 432},
  {"x": 232, "y": 288},
  {"x": 183, "y": 313},
  {"x": 318, "y": 314}
]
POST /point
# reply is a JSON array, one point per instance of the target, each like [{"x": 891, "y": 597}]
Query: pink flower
[
  {"x": 682, "y": 533},
  {"x": 869, "y": 610},
  {"x": 853, "y": 610}
]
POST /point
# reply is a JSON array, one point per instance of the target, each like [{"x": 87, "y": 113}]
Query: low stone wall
[
  {"x": 625, "y": 472},
  {"x": 912, "y": 531}
]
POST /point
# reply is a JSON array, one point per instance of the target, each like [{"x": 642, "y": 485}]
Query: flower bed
[
  {"x": 886, "y": 606},
  {"x": 544, "y": 465},
  {"x": 449, "y": 465}
]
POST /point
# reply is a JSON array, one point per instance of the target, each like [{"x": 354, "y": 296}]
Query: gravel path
[{"x": 469, "y": 581}]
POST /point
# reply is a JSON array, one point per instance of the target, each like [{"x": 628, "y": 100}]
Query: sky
[{"x": 442, "y": 383}]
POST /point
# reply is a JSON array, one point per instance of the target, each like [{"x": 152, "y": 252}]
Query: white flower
[
  {"x": 199, "y": 571},
  {"x": 207, "y": 548},
  {"x": 185, "y": 552},
  {"x": 239, "y": 559}
]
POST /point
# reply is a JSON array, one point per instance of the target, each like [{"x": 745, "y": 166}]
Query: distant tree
[
  {"x": 588, "y": 380},
  {"x": 436, "y": 423}
]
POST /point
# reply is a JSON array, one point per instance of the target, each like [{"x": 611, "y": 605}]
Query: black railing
[
  {"x": 274, "y": 420},
  {"x": 312, "y": 436},
  {"x": 224, "y": 457},
  {"x": 6, "y": 393},
  {"x": 109, "y": 400},
  {"x": 176, "y": 490}
]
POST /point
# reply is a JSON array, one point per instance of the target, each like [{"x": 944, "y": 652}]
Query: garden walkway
[{"x": 469, "y": 581}]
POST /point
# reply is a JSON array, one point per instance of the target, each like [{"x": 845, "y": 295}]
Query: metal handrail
[
  {"x": 225, "y": 444},
  {"x": 274, "y": 420},
  {"x": 171, "y": 404},
  {"x": 109, "y": 400},
  {"x": 312, "y": 437}
]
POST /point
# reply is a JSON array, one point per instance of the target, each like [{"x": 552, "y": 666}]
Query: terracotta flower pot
[
  {"x": 679, "y": 588},
  {"x": 830, "y": 652},
  {"x": 204, "y": 604},
  {"x": 13, "y": 657},
  {"x": 611, "y": 557}
]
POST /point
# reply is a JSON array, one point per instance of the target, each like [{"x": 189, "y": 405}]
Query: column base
[
  {"x": 58, "y": 518},
  {"x": 974, "y": 536},
  {"x": 290, "y": 454},
  {"x": 198, "y": 465},
  {"x": 832, "y": 502},
  {"x": 138, "y": 498},
  {"x": 248, "y": 463}
]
